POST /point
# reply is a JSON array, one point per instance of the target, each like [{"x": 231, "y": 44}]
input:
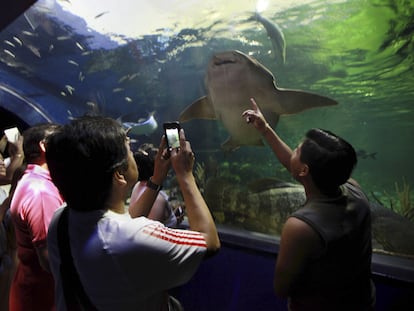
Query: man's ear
[
  {"x": 42, "y": 146},
  {"x": 304, "y": 171},
  {"x": 119, "y": 178}
]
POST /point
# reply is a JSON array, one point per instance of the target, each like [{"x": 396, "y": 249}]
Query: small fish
[
  {"x": 51, "y": 47},
  {"x": 70, "y": 115},
  {"x": 34, "y": 50},
  {"x": 29, "y": 33},
  {"x": 363, "y": 154},
  {"x": 142, "y": 127},
  {"x": 128, "y": 99},
  {"x": 70, "y": 89},
  {"x": 62, "y": 38},
  {"x": 123, "y": 78},
  {"x": 62, "y": 93},
  {"x": 101, "y": 14},
  {"x": 18, "y": 41},
  {"x": 133, "y": 76},
  {"x": 80, "y": 47},
  {"x": 81, "y": 77},
  {"x": 9, "y": 53},
  {"x": 275, "y": 34},
  {"x": 72, "y": 62},
  {"x": 118, "y": 89},
  {"x": 9, "y": 43}
]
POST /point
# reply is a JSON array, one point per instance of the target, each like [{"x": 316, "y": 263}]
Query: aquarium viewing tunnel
[{"x": 145, "y": 62}]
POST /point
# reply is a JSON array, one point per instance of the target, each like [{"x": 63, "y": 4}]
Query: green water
[
  {"x": 357, "y": 52},
  {"x": 361, "y": 54}
]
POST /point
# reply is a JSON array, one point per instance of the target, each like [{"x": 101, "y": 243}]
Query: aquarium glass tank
[{"x": 145, "y": 62}]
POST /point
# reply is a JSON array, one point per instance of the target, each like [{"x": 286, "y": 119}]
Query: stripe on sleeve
[{"x": 182, "y": 237}]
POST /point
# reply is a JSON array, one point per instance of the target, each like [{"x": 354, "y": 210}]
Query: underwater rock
[
  {"x": 387, "y": 232},
  {"x": 262, "y": 211},
  {"x": 223, "y": 198},
  {"x": 266, "y": 211},
  {"x": 269, "y": 209}
]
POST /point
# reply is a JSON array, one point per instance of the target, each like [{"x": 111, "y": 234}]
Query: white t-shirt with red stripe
[{"x": 126, "y": 263}]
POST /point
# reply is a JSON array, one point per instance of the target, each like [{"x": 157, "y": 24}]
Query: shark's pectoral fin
[
  {"x": 294, "y": 101},
  {"x": 200, "y": 109}
]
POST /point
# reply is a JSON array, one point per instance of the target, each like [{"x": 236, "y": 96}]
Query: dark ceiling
[{"x": 11, "y": 9}]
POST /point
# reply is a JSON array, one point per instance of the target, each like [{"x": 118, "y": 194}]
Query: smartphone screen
[{"x": 172, "y": 130}]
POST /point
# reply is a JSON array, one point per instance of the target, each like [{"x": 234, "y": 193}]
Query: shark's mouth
[{"x": 219, "y": 62}]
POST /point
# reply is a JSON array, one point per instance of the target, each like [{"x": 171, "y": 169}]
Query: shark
[
  {"x": 275, "y": 33},
  {"x": 233, "y": 78}
]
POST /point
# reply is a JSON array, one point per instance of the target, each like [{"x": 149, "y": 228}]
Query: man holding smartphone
[
  {"x": 172, "y": 130},
  {"x": 120, "y": 262}
]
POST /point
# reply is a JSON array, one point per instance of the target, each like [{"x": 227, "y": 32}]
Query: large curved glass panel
[{"x": 144, "y": 62}]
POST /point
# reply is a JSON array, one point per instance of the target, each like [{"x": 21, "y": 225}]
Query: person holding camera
[
  {"x": 163, "y": 209},
  {"x": 324, "y": 259},
  {"x": 101, "y": 257}
]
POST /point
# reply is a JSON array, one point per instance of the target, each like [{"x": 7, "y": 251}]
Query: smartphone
[
  {"x": 172, "y": 133},
  {"x": 12, "y": 134}
]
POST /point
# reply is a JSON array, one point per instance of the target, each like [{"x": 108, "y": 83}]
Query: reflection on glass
[{"x": 145, "y": 62}]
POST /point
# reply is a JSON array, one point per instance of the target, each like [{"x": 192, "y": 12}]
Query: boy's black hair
[{"x": 330, "y": 159}]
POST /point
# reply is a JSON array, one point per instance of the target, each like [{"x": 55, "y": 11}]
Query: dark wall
[
  {"x": 239, "y": 279},
  {"x": 9, "y": 119}
]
